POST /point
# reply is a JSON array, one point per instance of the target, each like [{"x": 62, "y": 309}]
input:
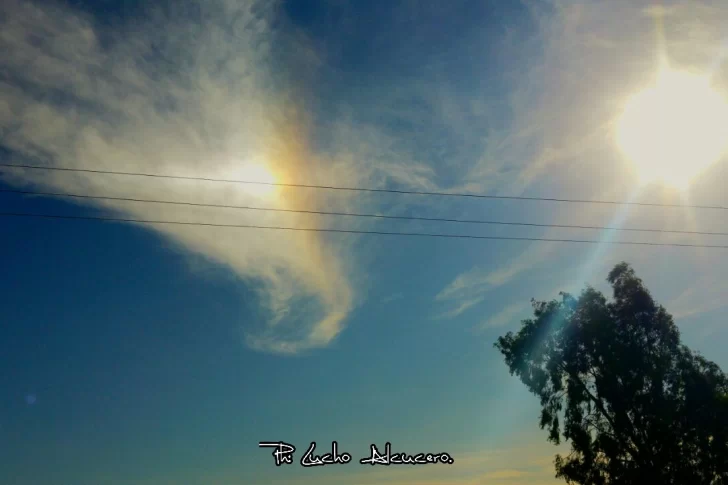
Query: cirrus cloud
[{"x": 204, "y": 91}]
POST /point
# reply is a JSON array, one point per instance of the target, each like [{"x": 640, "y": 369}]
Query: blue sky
[{"x": 134, "y": 354}]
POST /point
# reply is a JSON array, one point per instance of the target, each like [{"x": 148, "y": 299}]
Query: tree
[{"x": 636, "y": 405}]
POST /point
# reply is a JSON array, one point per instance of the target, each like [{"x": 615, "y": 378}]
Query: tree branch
[{"x": 633, "y": 450}]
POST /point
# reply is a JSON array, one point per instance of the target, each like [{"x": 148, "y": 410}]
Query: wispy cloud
[
  {"x": 470, "y": 288},
  {"x": 505, "y": 316},
  {"x": 173, "y": 94},
  {"x": 462, "y": 306},
  {"x": 574, "y": 73},
  {"x": 218, "y": 85},
  {"x": 707, "y": 295}
]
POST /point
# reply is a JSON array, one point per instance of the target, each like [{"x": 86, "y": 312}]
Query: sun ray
[{"x": 589, "y": 269}]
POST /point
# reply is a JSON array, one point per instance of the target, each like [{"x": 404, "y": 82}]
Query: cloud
[
  {"x": 216, "y": 86},
  {"x": 202, "y": 92},
  {"x": 705, "y": 296},
  {"x": 505, "y": 316},
  {"x": 585, "y": 60},
  {"x": 471, "y": 287},
  {"x": 570, "y": 77},
  {"x": 685, "y": 305},
  {"x": 462, "y": 306}
]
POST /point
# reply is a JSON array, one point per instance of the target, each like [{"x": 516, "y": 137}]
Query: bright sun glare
[
  {"x": 257, "y": 173},
  {"x": 675, "y": 129}
]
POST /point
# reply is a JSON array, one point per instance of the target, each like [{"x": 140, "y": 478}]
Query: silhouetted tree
[{"x": 616, "y": 383}]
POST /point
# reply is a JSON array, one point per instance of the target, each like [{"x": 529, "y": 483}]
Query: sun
[{"x": 675, "y": 129}]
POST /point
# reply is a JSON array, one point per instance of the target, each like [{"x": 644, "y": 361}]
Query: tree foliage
[{"x": 616, "y": 383}]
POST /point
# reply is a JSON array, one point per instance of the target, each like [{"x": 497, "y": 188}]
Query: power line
[
  {"x": 377, "y": 216},
  {"x": 353, "y": 231},
  {"x": 363, "y": 189}
]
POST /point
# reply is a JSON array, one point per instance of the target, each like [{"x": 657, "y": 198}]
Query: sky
[{"x": 163, "y": 354}]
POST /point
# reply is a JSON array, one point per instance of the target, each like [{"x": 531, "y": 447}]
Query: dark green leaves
[{"x": 615, "y": 382}]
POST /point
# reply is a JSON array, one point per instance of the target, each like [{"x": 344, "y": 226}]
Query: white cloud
[
  {"x": 169, "y": 95},
  {"x": 470, "y": 288},
  {"x": 707, "y": 295},
  {"x": 570, "y": 78},
  {"x": 505, "y": 316},
  {"x": 172, "y": 96},
  {"x": 462, "y": 306}
]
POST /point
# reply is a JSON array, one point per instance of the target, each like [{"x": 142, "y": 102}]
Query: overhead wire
[
  {"x": 354, "y": 231},
  {"x": 364, "y": 189},
  {"x": 364, "y": 215}
]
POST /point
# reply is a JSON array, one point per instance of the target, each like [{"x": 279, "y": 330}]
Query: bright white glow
[
  {"x": 674, "y": 130},
  {"x": 256, "y": 173}
]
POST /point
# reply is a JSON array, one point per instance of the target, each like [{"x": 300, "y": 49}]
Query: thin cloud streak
[
  {"x": 506, "y": 316},
  {"x": 471, "y": 287}
]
